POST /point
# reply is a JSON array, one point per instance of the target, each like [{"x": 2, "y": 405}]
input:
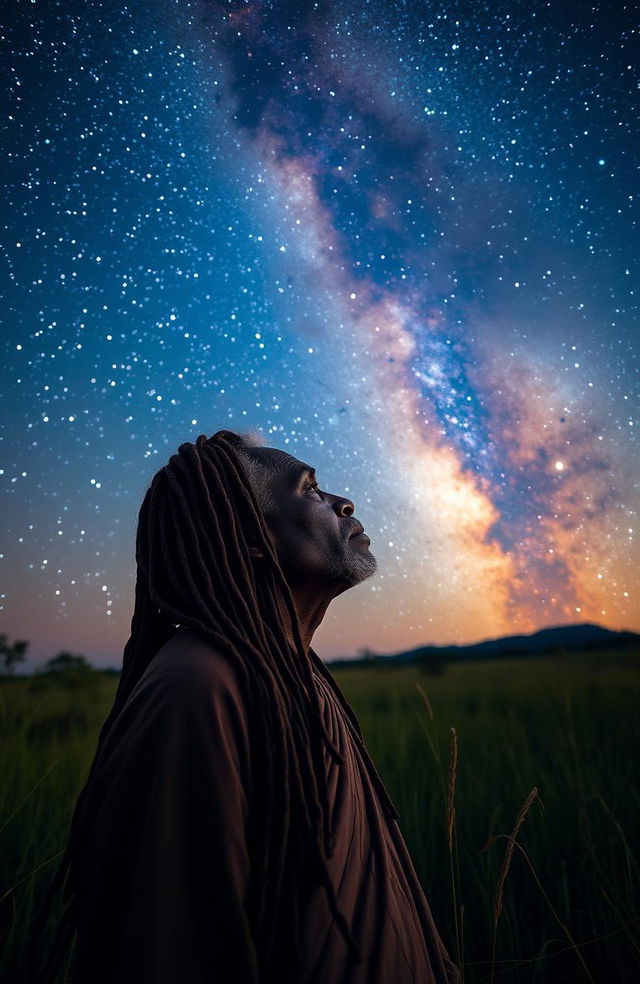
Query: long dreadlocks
[{"x": 197, "y": 521}]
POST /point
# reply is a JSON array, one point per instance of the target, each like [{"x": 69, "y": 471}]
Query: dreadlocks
[{"x": 197, "y": 521}]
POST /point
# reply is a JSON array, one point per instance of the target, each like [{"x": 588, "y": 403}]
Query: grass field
[{"x": 567, "y": 726}]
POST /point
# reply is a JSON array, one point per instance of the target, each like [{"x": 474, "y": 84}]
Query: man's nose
[{"x": 343, "y": 507}]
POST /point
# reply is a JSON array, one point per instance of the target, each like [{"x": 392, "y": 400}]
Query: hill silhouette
[{"x": 559, "y": 639}]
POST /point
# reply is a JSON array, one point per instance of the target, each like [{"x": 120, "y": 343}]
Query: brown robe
[{"x": 167, "y": 865}]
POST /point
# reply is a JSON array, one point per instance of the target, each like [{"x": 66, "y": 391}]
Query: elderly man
[{"x": 233, "y": 827}]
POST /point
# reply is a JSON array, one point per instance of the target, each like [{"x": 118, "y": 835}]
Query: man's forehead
[{"x": 281, "y": 462}]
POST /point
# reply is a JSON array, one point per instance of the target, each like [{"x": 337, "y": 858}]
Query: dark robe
[{"x": 166, "y": 865}]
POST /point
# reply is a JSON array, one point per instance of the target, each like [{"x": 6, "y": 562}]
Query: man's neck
[{"x": 310, "y": 609}]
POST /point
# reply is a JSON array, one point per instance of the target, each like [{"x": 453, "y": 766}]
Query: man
[{"x": 233, "y": 827}]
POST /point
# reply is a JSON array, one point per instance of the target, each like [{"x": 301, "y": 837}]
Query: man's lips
[{"x": 357, "y": 533}]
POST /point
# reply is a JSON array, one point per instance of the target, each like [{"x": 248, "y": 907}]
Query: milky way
[{"x": 396, "y": 239}]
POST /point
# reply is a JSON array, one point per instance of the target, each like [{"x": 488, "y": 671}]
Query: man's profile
[{"x": 233, "y": 827}]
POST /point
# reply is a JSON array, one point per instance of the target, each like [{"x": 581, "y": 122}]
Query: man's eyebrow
[{"x": 305, "y": 470}]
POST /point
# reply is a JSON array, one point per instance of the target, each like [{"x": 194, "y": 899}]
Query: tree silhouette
[
  {"x": 11, "y": 654},
  {"x": 366, "y": 653},
  {"x": 66, "y": 661}
]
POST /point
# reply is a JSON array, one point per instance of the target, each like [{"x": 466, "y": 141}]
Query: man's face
[{"x": 317, "y": 538}]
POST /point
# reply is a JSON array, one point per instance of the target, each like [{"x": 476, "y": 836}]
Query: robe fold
[{"x": 166, "y": 863}]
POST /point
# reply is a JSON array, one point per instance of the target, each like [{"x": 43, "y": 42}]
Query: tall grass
[
  {"x": 556, "y": 891},
  {"x": 48, "y": 731},
  {"x": 569, "y": 893}
]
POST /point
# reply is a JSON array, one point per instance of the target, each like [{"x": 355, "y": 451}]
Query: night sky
[{"x": 397, "y": 239}]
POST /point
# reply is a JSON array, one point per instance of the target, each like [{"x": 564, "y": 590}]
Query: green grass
[{"x": 569, "y": 727}]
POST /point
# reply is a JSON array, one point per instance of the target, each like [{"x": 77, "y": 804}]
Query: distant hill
[{"x": 562, "y": 638}]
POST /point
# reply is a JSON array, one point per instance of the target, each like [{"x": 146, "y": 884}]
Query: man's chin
[{"x": 361, "y": 566}]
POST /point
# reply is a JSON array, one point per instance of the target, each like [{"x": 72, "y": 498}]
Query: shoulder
[
  {"x": 191, "y": 668},
  {"x": 189, "y": 697}
]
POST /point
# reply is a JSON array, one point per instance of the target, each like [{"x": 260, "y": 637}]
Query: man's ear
[{"x": 256, "y": 552}]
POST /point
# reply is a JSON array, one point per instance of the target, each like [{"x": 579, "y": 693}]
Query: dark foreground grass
[{"x": 569, "y": 727}]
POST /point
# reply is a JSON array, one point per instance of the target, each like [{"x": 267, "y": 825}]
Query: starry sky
[{"x": 397, "y": 239}]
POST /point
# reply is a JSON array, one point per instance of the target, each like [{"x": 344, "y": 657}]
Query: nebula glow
[{"x": 397, "y": 240}]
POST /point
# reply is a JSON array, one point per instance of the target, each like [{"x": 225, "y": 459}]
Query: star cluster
[{"x": 399, "y": 240}]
